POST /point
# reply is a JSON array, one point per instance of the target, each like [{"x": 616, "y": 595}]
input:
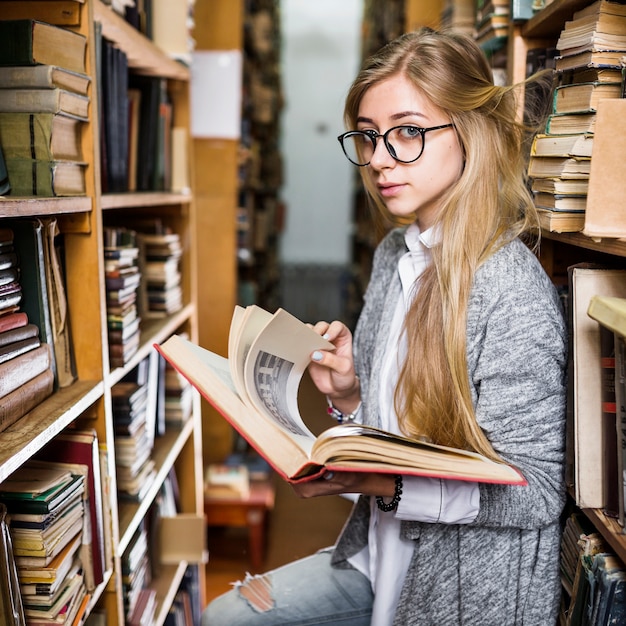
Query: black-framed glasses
[{"x": 405, "y": 143}]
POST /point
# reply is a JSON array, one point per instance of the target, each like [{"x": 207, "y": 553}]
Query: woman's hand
[
  {"x": 334, "y": 483},
  {"x": 333, "y": 371}
]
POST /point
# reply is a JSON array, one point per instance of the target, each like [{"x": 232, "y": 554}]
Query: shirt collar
[{"x": 415, "y": 238}]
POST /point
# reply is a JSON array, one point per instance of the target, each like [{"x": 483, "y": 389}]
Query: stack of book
[
  {"x": 45, "y": 505},
  {"x": 44, "y": 104},
  {"x": 122, "y": 278},
  {"x": 492, "y": 23},
  {"x": 594, "y": 579},
  {"x": 134, "y": 407},
  {"x": 161, "y": 290},
  {"x": 588, "y": 69},
  {"x": 136, "y": 571},
  {"x": 26, "y": 355}
]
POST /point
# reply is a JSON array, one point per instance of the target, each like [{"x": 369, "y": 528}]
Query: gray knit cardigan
[{"x": 503, "y": 569}]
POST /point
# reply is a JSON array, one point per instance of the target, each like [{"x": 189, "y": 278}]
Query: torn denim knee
[{"x": 257, "y": 591}]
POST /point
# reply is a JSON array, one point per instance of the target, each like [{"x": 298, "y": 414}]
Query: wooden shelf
[
  {"x": 144, "y": 57},
  {"x": 612, "y": 532},
  {"x": 166, "y": 451},
  {"x": 143, "y": 199},
  {"x": 616, "y": 247},
  {"x": 549, "y": 22},
  {"x": 40, "y": 207},
  {"x": 31, "y": 432}
]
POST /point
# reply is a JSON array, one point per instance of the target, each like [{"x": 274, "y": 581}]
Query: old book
[
  {"x": 44, "y": 101},
  {"x": 585, "y": 428},
  {"x": 25, "y": 398},
  {"x": 601, "y": 30},
  {"x": 605, "y": 216},
  {"x": 256, "y": 391},
  {"x": 13, "y": 320},
  {"x": 583, "y": 97},
  {"x": 560, "y": 202},
  {"x": 45, "y": 178},
  {"x": 11, "y": 606},
  {"x": 44, "y": 136},
  {"x": 31, "y": 42},
  {"x": 59, "y": 12},
  {"x": 28, "y": 331},
  {"x": 29, "y": 245},
  {"x": 576, "y": 145},
  {"x": 563, "y": 186},
  {"x": 43, "y": 77},
  {"x": 80, "y": 448},
  {"x": 13, "y": 350},
  {"x": 559, "y": 167},
  {"x": 53, "y": 573},
  {"x": 21, "y": 369},
  {"x": 62, "y": 342},
  {"x": 589, "y": 58},
  {"x": 571, "y": 123},
  {"x": 561, "y": 221}
]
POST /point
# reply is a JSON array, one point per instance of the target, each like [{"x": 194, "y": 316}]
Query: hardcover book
[
  {"x": 31, "y": 42},
  {"x": 256, "y": 388},
  {"x": 44, "y": 101},
  {"x": 43, "y": 77},
  {"x": 42, "y": 136}
]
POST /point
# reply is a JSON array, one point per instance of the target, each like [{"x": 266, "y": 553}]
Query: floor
[{"x": 296, "y": 527}]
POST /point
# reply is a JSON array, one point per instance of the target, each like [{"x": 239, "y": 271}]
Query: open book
[{"x": 256, "y": 390}]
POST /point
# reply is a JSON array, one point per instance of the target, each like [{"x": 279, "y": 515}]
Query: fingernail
[
  {"x": 325, "y": 336},
  {"x": 317, "y": 356}
]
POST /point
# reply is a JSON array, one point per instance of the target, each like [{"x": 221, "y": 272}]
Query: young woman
[{"x": 462, "y": 340}]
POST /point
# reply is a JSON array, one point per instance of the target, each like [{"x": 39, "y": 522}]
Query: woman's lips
[{"x": 389, "y": 189}]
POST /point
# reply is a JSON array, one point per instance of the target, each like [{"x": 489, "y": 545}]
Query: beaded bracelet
[
  {"x": 390, "y": 506},
  {"x": 339, "y": 416}
]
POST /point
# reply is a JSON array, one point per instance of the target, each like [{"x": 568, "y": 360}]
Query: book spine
[
  {"x": 25, "y": 398},
  {"x": 21, "y": 369}
]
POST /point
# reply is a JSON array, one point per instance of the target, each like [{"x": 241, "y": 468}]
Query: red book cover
[{"x": 13, "y": 320}]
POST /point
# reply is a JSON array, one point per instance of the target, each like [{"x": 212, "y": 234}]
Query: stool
[{"x": 250, "y": 512}]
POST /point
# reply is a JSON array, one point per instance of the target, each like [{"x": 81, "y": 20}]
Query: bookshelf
[
  {"x": 558, "y": 250},
  {"x": 87, "y": 402}
]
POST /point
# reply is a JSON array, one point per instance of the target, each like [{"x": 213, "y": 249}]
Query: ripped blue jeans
[{"x": 305, "y": 592}]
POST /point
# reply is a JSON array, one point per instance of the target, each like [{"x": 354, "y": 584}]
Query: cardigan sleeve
[{"x": 517, "y": 358}]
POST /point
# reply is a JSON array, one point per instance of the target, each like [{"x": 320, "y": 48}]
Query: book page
[
  {"x": 245, "y": 325},
  {"x": 274, "y": 367}
]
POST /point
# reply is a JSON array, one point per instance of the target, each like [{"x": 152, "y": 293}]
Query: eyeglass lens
[{"x": 405, "y": 143}]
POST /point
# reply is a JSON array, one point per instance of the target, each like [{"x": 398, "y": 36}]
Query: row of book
[
  {"x": 35, "y": 333},
  {"x": 587, "y": 63},
  {"x": 55, "y": 525},
  {"x": 143, "y": 281},
  {"x": 44, "y": 106},
  {"x": 57, "y": 521},
  {"x": 136, "y": 129}
]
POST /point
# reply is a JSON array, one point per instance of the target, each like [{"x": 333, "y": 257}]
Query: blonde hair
[{"x": 489, "y": 205}]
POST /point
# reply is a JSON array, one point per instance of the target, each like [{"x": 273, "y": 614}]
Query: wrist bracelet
[
  {"x": 397, "y": 494},
  {"x": 339, "y": 416}
]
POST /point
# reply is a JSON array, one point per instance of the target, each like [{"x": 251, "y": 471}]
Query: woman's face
[{"x": 410, "y": 189}]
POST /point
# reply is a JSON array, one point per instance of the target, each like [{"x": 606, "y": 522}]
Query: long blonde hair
[{"x": 488, "y": 206}]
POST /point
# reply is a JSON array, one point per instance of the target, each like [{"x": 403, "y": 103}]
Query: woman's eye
[{"x": 410, "y": 132}]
